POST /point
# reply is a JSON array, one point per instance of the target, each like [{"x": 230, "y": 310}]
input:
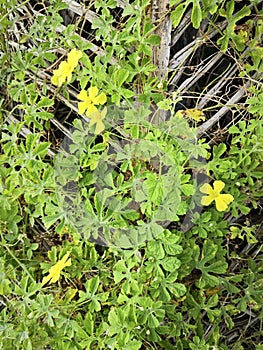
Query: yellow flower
[
  {"x": 96, "y": 118},
  {"x": 73, "y": 57},
  {"x": 195, "y": 114},
  {"x": 55, "y": 271},
  {"x": 90, "y": 100},
  {"x": 65, "y": 69},
  {"x": 222, "y": 200}
]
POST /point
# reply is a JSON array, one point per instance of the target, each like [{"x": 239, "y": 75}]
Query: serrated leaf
[{"x": 155, "y": 189}]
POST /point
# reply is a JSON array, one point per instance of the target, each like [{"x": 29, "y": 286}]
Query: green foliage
[
  {"x": 231, "y": 36},
  {"x": 130, "y": 187},
  {"x": 200, "y": 10},
  {"x": 232, "y": 19},
  {"x": 134, "y": 183},
  {"x": 256, "y": 104},
  {"x": 242, "y": 167}
]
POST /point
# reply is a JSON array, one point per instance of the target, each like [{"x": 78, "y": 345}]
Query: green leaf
[
  {"x": 172, "y": 248},
  {"x": 218, "y": 267},
  {"x": 178, "y": 289},
  {"x": 120, "y": 271},
  {"x": 127, "y": 93},
  {"x": 133, "y": 345},
  {"x": 170, "y": 264},
  {"x": 45, "y": 102},
  {"x": 187, "y": 189},
  {"x": 152, "y": 321},
  {"x": 174, "y": 2},
  {"x": 232, "y": 18},
  {"x": 153, "y": 39},
  {"x": 196, "y": 16},
  {"x": 45, "y": 115},
  {"x": 155, "y": 249},
  {"x": 121, "y": 76},
  {"x": 94, "y": 305},
  {"x": 128, "y": 11},
  {"x": 219, "y": 150},
  {"x": 49, "y": 56},
  {"x": 41, "y": 149},
  {"x": 51, "y": 219},
  {"x": 92, "y": 285},
  {"x": 233, "y": 130},
  {"x": 113, "y": 318},
  {"x": 131, "y": 215},
  {"x": 177, "y": 14},
  {"x": 154, "y": 188}
]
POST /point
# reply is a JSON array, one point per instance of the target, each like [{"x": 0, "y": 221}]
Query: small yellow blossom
[
  {"x": 55, "y": 271},
  {"x": 194, "y": 114},
  {"x": 65, "y": 69},
  {"x": 96, "y": 118},
  {"x": 222, "y": 200},
  {"x": 90, "y": 100}
]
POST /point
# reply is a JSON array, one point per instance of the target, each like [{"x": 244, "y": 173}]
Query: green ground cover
[{"x": 131, "y": 174}]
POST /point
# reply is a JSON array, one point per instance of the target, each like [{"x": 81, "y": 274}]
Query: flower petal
[
  {"x": 61, "y": 80},
  {"x": 94, "y": 117},
  {"x": 99, "y": 127},
  {"x": 46, "y": 279},
  {"x": 206, "y": 188},
  {"x": 55, "y": 271},
  {"x": 218, "y": 186},
  {"x": 93, "y": 92},
  {"x": 55, "y": 275},
  {"x": 82, "y": 95},
  {"x": 91, "y": 109},
  {"x": 73, "y": 57},
  {"x": 82, "y": 106},
  {"x": 69, "y": 77},
  {"x": 207, "y": 200},
  {"x": 222, "y": 201},
  {"x": 100, "y": 100},
  {"x": 103, "y": 113},
  {"x": 63, "y": 67},
  {"x": 55, "y": 80},
  {"x": 63, "y": 260}
]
